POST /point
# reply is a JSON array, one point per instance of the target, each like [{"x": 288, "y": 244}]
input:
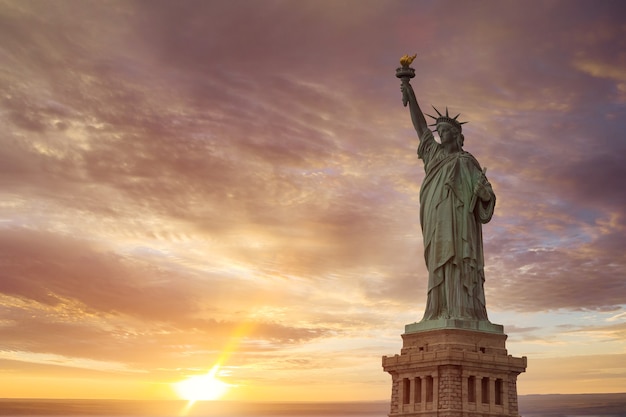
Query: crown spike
[{"x": 446, "y": 119}]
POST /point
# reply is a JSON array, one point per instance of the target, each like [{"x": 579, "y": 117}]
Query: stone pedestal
[{"x": 453, "y": 368}]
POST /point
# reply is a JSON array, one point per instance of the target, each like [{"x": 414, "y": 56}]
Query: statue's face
[{"x": 447, "y": 133}]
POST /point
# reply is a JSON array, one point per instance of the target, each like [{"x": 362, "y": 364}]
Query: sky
[{"x": 192, "y": 184}]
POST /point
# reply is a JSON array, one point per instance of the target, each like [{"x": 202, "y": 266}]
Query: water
[
  {"x": 573, "y": 405},
  {"x": 113, "y": 408},
  {"x": 580, "y": 405}
]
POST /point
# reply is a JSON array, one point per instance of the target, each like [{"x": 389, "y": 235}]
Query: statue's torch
[{"x": 405, "y": 73}]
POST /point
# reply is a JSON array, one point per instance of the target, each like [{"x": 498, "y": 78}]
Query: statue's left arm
[{"x": 483, "y": 190}]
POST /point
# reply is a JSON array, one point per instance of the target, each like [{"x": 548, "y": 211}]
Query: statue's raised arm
[{"x": 405, "y": 73}]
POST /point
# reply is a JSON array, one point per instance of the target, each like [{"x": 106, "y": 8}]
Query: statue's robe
[{"x": 451, "y": 217}]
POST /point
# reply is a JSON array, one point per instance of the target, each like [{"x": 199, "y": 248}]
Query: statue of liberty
[{"x": 455, "y": 201}]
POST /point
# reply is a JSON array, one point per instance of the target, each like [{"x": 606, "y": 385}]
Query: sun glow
[{"x": 202, "y": 387}]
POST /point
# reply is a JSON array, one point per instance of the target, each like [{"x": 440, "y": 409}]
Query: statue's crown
[{"x": 446, "y": 119}]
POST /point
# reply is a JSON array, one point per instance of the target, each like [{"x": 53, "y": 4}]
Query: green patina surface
[{"x": 456, "y": 199}]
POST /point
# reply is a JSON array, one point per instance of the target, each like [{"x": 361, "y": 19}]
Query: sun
[{"x": 202, "y": 387}]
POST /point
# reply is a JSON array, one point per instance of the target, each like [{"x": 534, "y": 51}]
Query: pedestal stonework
[{"x": 450, "y": 369}]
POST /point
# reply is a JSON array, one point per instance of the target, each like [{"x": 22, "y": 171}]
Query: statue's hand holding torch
[{"x": 405, "y": 73}]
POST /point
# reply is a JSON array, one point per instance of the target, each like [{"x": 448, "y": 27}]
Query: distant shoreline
[{"x": 536, "y": 405}]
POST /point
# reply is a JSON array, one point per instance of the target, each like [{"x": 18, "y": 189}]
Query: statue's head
[
  {"x": 449, "y": 127},
  {"x": 450, "y": 133}
]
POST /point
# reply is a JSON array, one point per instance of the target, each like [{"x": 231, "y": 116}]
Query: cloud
[{"x": 117, "y": 308}]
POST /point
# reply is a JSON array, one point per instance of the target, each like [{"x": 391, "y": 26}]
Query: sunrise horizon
[{"x": 167, "y": 391}]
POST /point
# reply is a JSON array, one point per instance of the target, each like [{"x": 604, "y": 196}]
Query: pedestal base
[{"x": 454, "y": 372}]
